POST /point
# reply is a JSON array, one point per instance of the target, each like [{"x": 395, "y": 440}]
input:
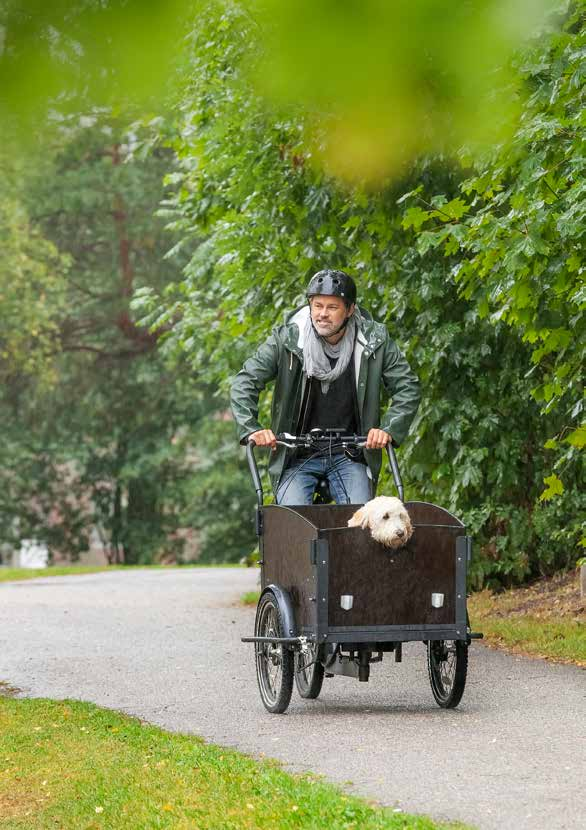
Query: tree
[
  {"x": 514, "y": 235},
  {"x": 32, "y": 285},
  {"x": 270, "y": 218},
  {"x": 107, "y": 441}
]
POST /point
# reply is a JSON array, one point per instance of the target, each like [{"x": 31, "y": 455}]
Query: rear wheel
[
  {"x": 309, "y": 672},
  {"x": 447, "y": 662},
  {"x": 274, "y": 661}
]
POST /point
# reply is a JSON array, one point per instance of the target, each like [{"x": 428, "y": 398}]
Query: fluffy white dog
[{"x": 387, "y": 520}]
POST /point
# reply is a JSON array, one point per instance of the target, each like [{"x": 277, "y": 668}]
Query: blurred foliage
[
  {"x": 386, "y": 82},
  {"x": 266, "y": 219},
  {"x": 222, "y": 498},
  {"x": 71, "y": 55},
  {"x": 102, "y": 438},
  {"x": 32, "y": 284}
]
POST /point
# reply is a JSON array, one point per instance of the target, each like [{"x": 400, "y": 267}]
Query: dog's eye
[{"x": 386, "y": 516}]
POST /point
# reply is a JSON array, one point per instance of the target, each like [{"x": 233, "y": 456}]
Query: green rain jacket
[{"x": 377, "y": 362}]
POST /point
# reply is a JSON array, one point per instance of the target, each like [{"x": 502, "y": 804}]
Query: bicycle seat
[{"x": 322, "y": 493}]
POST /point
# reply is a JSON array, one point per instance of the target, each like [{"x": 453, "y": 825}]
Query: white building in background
[{"x": 31, "y": 554}]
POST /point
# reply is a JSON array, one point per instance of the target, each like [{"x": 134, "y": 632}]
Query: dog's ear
[
  {"x": 408, "y": 528},
  {"x": 359, "y": 519}
]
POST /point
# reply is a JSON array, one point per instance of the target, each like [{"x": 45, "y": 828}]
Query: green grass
[
  {"x": 73, "y": 765},
  {"x": 563, "y": 641},
  {"x": 558, "y": 639},
  {"x": 18, "y": 574},
  {"x": 251, "y": 597}
]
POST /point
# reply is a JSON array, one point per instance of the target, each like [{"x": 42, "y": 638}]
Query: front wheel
[
  {"x": 309, "y": 672},
  {"x": 274, "y": 661},
  {"x": 447, "y": 663}
]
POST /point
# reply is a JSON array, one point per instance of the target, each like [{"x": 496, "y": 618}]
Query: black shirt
[{"x": 336, "y": 409}]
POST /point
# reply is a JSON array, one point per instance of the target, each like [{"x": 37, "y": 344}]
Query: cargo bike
[{"x": 334, "y": 601}]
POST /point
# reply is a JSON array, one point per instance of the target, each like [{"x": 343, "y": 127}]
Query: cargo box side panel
[
  {"x": 426, "y": 513},
  {"x": 392, "y": 587},
  {"x": 325, "y": 516},
  {"x": 286, "y": 555}
]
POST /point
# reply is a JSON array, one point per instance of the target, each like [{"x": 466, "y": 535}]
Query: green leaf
[
  {"x": 452, "y": 210},
  {"x": 414, "y": 218},
  {"x": 554, "y": 488},
  {"x": 573, "y": 262},
  {"x": 577, "y": 438}
]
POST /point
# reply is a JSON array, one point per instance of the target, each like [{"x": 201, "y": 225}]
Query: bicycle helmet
[{"x": 334, "y": 283}]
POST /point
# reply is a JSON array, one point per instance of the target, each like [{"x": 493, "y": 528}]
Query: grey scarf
[{"x": 317, "y": 351}]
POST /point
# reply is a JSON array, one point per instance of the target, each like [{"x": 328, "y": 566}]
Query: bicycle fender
[{"x": 283, "y": 598}]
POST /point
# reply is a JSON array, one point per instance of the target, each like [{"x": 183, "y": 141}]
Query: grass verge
[
  {"x": 19, "y": 574},
  {"x": 250, "y": 598},
  {"x": 73, "y": 765},
  {"x": 543, "y": 620},
  {"x": 6, "y": 690},
  {"x": 562, "y": 642}
]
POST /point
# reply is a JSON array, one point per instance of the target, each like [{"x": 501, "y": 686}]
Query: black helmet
[{"x": 335, "y": 283}]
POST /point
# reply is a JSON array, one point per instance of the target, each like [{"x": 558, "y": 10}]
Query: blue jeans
[{"x": 348, "y": 480}]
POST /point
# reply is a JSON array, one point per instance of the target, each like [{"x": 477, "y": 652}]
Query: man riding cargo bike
[{"x": 344, "y": 584}]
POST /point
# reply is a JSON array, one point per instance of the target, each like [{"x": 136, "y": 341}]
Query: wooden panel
[
  {"x": 324, "y": 516},
  {"x": 287, "y": 561},
  {"x": 327, "y": 515},
  {"x": 423, "y": 512},
  {"x": 395, "y": 587}
]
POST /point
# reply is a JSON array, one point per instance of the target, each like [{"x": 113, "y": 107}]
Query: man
[{"x": 329, "y": 361}]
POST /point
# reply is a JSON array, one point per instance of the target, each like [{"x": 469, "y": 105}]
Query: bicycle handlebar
[{"x": 320, "y": 440}]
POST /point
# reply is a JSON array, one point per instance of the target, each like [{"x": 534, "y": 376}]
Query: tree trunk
[
  {"x": 143, "y": 522},
  {"x": 117, "y": 547},
  {"x": 140, "y": 336}
]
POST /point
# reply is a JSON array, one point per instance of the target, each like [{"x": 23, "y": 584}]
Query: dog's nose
[{"x": 400, "y": 533}]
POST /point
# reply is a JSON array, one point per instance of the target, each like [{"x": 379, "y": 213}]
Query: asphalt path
[{"x": 165, "y": 646}]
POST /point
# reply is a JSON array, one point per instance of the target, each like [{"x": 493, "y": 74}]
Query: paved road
[{"x": 165, "y": 645}]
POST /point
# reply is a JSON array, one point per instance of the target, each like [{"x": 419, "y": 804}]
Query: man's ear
[{"x": 350, "y": 311}]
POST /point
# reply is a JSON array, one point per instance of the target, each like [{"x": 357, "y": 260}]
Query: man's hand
[
  {"x": 264, "y": 438},
  {"x": 377, "y": 439}
]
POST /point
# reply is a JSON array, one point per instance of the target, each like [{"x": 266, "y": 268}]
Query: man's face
[{"x": 328, "y": 313}]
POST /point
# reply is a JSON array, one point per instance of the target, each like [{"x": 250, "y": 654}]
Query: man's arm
[
  {"x": 248, "y": 384},
  {"x": 402, "y": 385}
]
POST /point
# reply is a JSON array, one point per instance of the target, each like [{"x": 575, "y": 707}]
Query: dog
[{"x": 387, "y": 520}]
